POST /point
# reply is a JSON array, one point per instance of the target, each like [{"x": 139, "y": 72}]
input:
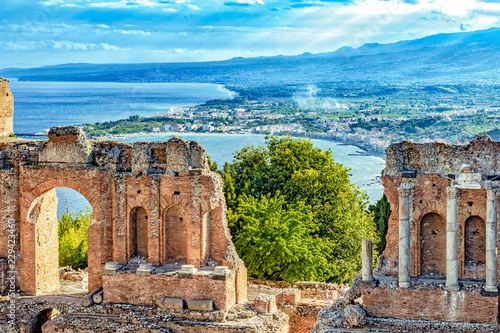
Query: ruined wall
[
  {"x": 6, "y": 109},
  {"x": 430, "y": 303},
  {"x": 482, "y": 154},
  {"x": 429, "y": 169},
  {"x": 154, "y": 179},
  {"x": 132, "y": 289},
  {"x": 44, "y": 216}
]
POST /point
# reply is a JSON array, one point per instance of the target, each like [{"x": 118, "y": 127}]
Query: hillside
[{"x": 444, "y": 57}]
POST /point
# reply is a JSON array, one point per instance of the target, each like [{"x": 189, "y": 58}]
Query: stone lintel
[
  {"x": 171, "y": 303},
  {"x": 200, "y": 305}
]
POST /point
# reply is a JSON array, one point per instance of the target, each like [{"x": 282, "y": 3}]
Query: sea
[{"x": 40, "y": 105}]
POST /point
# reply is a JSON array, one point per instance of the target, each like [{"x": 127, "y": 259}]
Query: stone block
[
  {"x": 171, "y": 303},
  {"x": 110, "y": 268},
  {"x": 288, "y": 296},
  {"x": 221, "y": 273},
  {"x": 200, "y": 305},
  {"x": 355, "y": 315},
  {"x": 265, "y": 303},
  {"x": 144, "y": 270},
  {"x": 187, "y": 272}
]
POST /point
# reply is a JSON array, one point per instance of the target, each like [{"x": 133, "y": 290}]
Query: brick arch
[
  {"x": 138, "y": 202},
  {"x": 174, "y": 234},
  {"x": 419, "y": 211},
  {"x": 27, "y": 269},
  {"x": 138, "y": 231},
  {"x": 38, "y": 190},
  {"x": 168, "y": 201},
  {"x": 463, "y": 215},
  {"x": 432, "y": 243},
  {"x": 428, "y": 207}
]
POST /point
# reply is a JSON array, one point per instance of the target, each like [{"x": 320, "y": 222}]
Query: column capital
[
  {"x": 404, "y": 191},
  {"x": 491, "y": 195},
  {"x": 452, "y": 192}
]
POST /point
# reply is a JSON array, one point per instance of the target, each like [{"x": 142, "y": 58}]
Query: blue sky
[{"x": 47, "y": 32}]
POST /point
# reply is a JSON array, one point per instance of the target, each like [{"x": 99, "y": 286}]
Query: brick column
[
  {"x": 451, "y": 240},
  {"x": 491, "y": 241},
  {"x": 404, "y": 237}
]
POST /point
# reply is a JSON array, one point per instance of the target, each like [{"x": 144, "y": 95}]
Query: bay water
[{"x": 40, "y": 105}]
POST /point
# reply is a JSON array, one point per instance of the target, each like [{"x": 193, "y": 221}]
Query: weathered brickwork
[
  {"x": 425, "y": 303},
  {"x": 130, "y": 289},
  {"x": 432, "y": 173},
  {"x": 6, "y": 108},
  {"x": 439, "y": 271}
]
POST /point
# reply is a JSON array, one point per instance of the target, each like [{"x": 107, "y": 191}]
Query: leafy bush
[
  {"x": 73, "y": 239},
  {"x": 278, "y": 239},
  {"x": 308, "y": 177}
]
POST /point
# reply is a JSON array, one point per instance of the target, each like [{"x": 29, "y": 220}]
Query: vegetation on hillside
[
  {"x": 73, "y": 240},
  {"x": 292, "y": 198},
  {"x": 381, "y": 214}
]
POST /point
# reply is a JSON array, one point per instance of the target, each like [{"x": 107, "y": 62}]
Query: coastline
[
  {"x": 232, "y": 94},
  {"x": 119, "y": 137}
]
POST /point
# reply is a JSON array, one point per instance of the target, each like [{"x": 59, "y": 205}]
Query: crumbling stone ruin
[
  {"x": 439, "y": 270},
  {"x": 7, "y": 108},
  {"x": 160, "y": 256}
]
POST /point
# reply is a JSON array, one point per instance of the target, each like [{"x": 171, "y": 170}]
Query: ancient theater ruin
[
  {"x": 441, "y": 261},
  {"x": 160, "y": 254}
]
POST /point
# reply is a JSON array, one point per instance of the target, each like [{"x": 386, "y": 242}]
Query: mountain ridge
[{"x": 445, "y": 56}]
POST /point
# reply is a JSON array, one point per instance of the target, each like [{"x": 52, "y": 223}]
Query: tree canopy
[
  {"x": 291, "y": 183},
  {"x": 73, "y": 239}
]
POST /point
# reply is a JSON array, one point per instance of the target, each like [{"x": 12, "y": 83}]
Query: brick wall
[
  {"x": 430, "y": 303},
  {"x": 157, "y": 199},
  {"x": 44, "y": 216},
  {"x": 130, "y": 289},
  {"x": 6, "y": 109}
]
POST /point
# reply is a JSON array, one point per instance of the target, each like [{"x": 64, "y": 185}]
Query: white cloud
[
  {"x": 52, "y": 2},
  {"x": 132, "y": 32},
  {"x": 248, "y": 2},
  {"x": 170, "y": 10},
  {"x": 194, "y": 7},
  {"x": 57, "y": 45}
]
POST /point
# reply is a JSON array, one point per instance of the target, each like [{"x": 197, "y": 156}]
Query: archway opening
[
  {"x": 475, "y": 246},
  {"x": 40, "y": 319},
  {"x": 433, "y": 245},
  {"x": 61, "y": 241},
  {"x": 138, "y": 233},
  {"x": 175, "y": 236}
]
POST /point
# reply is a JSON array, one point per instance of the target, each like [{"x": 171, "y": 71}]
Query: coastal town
[{"x": 369, "y": 123}]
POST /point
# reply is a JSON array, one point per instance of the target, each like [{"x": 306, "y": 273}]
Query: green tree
[
  {"x": 303, "y": 173},
  {"x": 73, "y": 240},
  {"x": 381, "y": 214},
  {"x": 278, "y": 239}
]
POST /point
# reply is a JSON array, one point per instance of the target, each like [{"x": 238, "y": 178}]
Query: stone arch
[
  {"x": 432, "y": 244},
  {"x": 41, "y": 318},
  {"x": 175, "y": 235},
  {"x": 416, "y": 215},
  {"x": 475, "y": 241},
  {"x": 138, "y": 232},
  {"x": 27, "y": 269}
]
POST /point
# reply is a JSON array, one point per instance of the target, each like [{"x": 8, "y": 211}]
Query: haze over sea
[{"x": 40, "y": 105}]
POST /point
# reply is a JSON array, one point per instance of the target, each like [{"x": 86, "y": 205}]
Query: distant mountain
[{"x": 444, "y": 57}]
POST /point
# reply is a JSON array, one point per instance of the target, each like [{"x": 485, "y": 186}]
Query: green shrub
[{"x": 73, "y": 239}]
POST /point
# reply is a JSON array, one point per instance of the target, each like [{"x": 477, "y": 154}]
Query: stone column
[
  {"x": 367, "y": 260},
  {"x": 451, "y": 240},
  {"x": 491, "y": 241},
  {"x": 404, "y": 237}
]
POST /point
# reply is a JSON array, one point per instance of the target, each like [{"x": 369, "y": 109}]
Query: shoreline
[
  {"x": 117, "y": 137},
  {"x": 232, "y": 94}
]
